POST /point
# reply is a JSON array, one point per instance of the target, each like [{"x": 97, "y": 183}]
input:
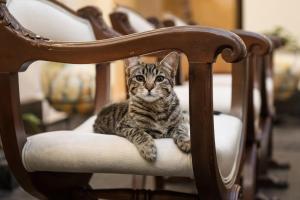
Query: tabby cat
[{"x": 152, "y": 110}]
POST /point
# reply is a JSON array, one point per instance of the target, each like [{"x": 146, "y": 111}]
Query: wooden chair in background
[
  {"x": 267, "y": 117},
  {"x": 259, "y": 124},
  {"x": 264, "y": 79},
  {"x": 265, "y": 83},
  {"x": 58, "y": 165}
]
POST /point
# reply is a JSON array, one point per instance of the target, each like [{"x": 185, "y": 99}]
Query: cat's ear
[
  {"x": 131, "y": 63},
  {"x": 171, "y": 62}
]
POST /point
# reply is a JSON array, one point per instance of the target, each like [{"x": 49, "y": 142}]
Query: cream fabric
[
  {"x": 82, "y": 150},
  {"x": 48, "y": 20},
  {"x": 136, "y": 21},
  {"x": 221, "y": 95},
  {"x": 177, "y": 20}
]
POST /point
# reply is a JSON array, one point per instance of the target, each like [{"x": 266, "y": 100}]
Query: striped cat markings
[{"x": 152, "y": 110}]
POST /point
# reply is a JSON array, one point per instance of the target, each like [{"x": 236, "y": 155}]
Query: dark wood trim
[
  {"x": 155, "y": 22},
  {"x": 120, "y": 23},
  {"x": 239, "y": 14},
  {"x": 125, "y": 194},
  {"x": 168, "y": 23},
  {"x": 249, "y": 173},
  {"x": 12, "y": 132}
]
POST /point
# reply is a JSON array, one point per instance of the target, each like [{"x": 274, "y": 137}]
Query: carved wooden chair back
[{"x": 57, "y": 22}]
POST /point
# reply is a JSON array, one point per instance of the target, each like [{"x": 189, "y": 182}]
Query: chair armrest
[
  {"x": 277, "y": 41},
  {"x": 192, "y": 40}
]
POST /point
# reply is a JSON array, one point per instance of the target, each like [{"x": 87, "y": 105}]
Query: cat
[{"x": 152, "y": 110}]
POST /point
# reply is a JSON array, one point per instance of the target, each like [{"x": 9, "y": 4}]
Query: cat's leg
[
  {"x": 142, "y": 140},
  {"x": 181, "y": 137}
]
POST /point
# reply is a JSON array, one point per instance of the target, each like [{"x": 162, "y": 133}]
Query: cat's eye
[
  {"x": 159, "y": 78},
  {"x": 140, "y": 78}
]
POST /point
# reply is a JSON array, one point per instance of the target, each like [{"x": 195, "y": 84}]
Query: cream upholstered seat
[
  {"x": 49, "y": 20},
  {"x": 82, "y": 150},
  {"x": 221, "y": 94}
]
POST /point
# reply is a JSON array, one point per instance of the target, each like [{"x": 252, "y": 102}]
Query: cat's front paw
[
  {"x": 148, "y": 151},
  {"x": 183, "y": 143}
]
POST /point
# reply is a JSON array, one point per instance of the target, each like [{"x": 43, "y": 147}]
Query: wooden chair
[
  {"x": 258, "y": 47},
  {"x": 264, "y": 80},
  {"x": 264, "y": 75},
  {"x": 277, "y": 42},
  {"x": 267, "y": 116},
  {"x": 58, "y": 165}
]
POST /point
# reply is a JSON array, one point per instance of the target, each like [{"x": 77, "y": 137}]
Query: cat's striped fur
[{"x": 152, "y": 110}]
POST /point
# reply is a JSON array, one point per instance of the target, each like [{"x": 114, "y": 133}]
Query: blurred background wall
[{"x": 279, "y": 13}]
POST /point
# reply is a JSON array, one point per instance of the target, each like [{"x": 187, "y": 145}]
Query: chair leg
[
  {"x": 269, "y": 181},
  {"x": 272, "y": 163},
  {"x": 261, "y": 196},
  {"x": 82, "y": 194},
  {"x": 275, "y": 164},
  {"x": 61, "y": 186},
  {"x": 159, "y": 183},
  {"x": 249, "y": 173},
  {"x": 266, "y": 152},
  {"x": 139, "y": 181}
]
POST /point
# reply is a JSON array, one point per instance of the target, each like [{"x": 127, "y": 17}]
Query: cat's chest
[{"x": 161, "y": 127}]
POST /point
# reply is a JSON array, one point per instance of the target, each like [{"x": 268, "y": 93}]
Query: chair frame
[
  {"x": 268, "y": 115},
  {"x": 258, "y": 46},
  {"x": 31, "y": 47}
]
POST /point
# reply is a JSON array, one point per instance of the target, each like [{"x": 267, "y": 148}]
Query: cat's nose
[{"x": 149, "y": 87}]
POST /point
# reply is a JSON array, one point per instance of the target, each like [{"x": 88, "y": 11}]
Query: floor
[{"x": 286, "y": 141}]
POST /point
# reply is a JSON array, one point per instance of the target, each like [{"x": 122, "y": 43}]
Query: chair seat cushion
[
  {"x": 221, "y": 97},
  {"x": 81, "y": 150}
]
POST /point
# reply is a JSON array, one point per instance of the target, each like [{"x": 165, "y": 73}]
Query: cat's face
[{"x": 151, "y": 82}]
